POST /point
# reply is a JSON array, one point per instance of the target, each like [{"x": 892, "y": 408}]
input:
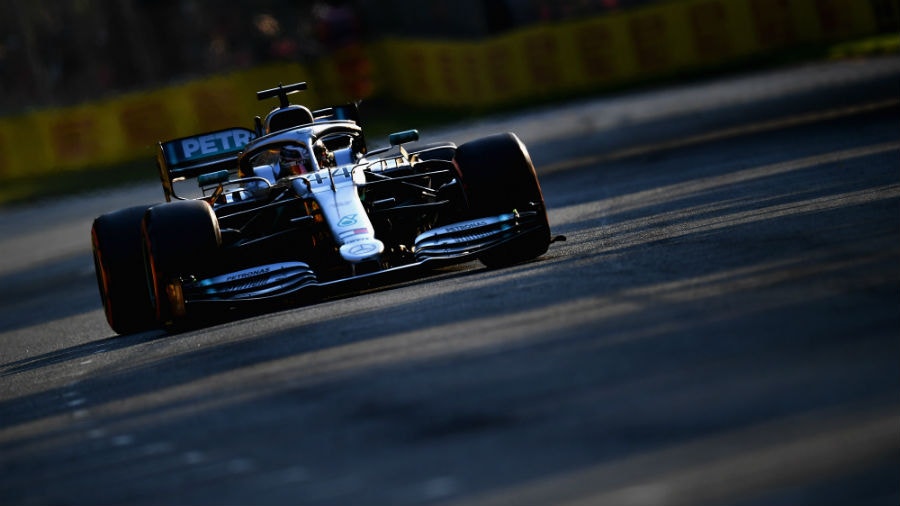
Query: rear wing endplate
[{"x": 190, "y": 157}]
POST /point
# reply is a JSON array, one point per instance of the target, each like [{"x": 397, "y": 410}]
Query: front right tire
[{"x": 499, "y": 177}]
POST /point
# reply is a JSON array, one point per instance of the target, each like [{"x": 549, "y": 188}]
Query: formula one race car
[{"x": 298, "y": 208}]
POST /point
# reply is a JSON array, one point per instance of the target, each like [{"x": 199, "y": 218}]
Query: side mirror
[{"x": 398, "y": 138}]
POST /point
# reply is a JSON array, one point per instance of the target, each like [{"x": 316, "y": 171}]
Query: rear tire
[
  {"x": 119, "y": 266},
  {"x": 179, "y": 238},
  {"x": 499, "y": 177}
]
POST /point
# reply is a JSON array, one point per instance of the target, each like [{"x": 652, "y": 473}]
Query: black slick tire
[
  {"x": 119, "y": 265},
  {"x": 499, "y": 177},
  {"x": 179, "y": 238}
]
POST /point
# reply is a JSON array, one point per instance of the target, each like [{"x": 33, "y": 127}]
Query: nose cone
[{"x": 362, "y": 250}]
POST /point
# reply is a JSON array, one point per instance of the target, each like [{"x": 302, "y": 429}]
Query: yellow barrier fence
[{"x": 576, "y": 56}]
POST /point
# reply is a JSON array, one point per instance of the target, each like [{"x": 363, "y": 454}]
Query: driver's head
[
  {"x": 294, "y": 160},
  {"x": 323, "y": 156}
]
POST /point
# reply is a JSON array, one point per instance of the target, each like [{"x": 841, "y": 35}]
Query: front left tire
[{"x": 117, "y": 246}]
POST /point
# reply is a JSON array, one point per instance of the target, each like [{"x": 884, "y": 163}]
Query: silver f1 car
[{"x": 298, "y": 207}]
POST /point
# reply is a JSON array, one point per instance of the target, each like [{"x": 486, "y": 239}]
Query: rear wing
[{"x": 190, "y": 157}]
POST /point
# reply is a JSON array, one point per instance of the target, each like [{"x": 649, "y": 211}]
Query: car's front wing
[{"x": 454, "y": 243}]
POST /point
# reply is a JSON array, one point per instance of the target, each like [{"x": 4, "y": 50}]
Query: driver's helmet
[
  {"x": 293, "y": 161},
  {"x": 323, "y": 156}
]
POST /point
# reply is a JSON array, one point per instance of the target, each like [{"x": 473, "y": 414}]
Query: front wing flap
[{"x": 470, "y": 238}]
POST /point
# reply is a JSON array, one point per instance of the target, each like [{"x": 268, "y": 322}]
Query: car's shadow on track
[
  {"x": 120, "y": 342},
  {"x": 194, "y": 365},
  {"x": 80, "y": 351}
]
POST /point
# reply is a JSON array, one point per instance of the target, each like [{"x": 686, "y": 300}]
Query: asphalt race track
[{"x": 721, "y": 326}]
